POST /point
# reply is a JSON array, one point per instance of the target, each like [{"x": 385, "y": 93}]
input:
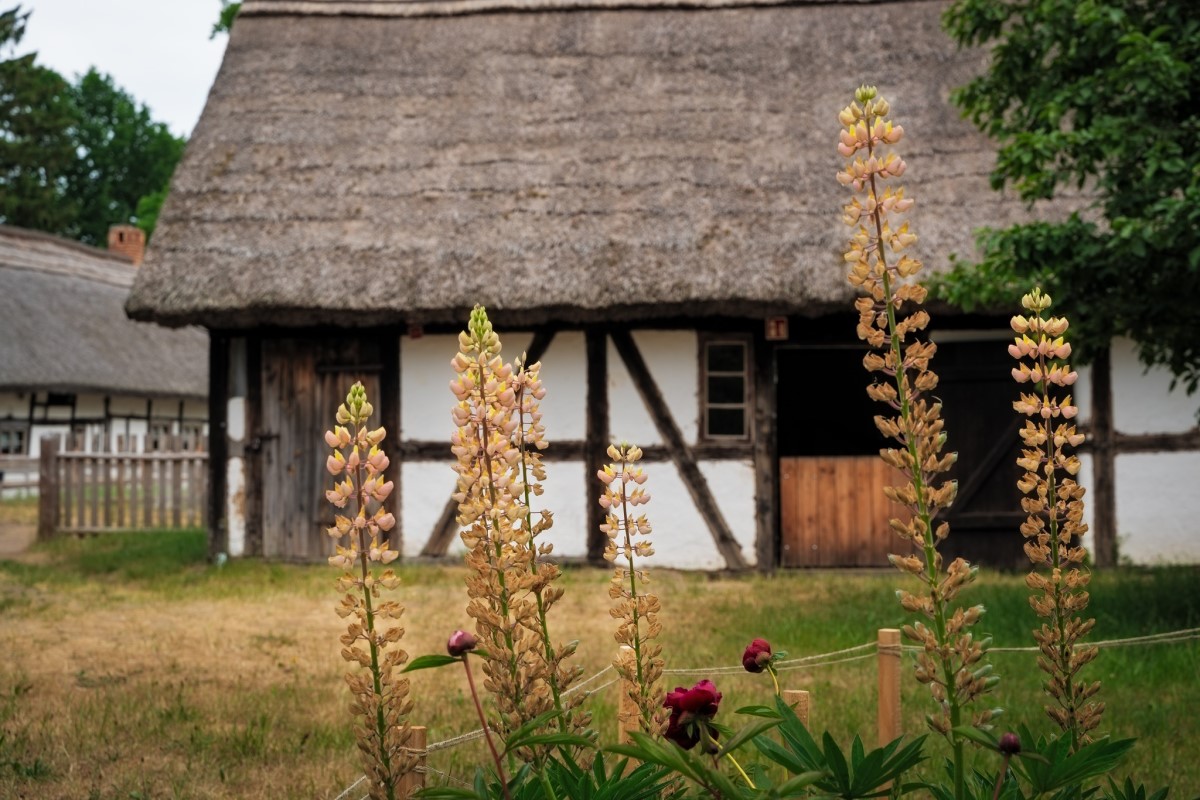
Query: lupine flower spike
[
  {"x": 950, "y": 661},
  {"x": 381, "y": 698},
  {"x": 640, "y": 662},
  {"x": 510, "y": 590},
  {"x": 1054, "y": 503}
]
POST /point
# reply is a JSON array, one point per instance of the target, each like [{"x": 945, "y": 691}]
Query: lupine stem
[
  {"x": 919, "y": 488},
  {"x": 380, "y": 720}
]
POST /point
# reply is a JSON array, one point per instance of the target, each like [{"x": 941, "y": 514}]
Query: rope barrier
[
  {"x": 843, "y": 656},
  {"x": 350, "y": 788}
]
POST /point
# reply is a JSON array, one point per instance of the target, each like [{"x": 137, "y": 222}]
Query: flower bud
[
  {"x": 1010, "y": 744},
  {"x": 461, "y": 643}
]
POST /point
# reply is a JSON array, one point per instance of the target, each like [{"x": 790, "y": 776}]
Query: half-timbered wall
[
  {"x": 681, "y": 535},
  {"x": 91, "y": 418},
  {"x": 1157, "y": 504}
]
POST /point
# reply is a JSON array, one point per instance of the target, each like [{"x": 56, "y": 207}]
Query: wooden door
[
  {"x": 833, "y": 512},
  {"x": 832, "y": 509},
  {"x": 303, "y": 382}
]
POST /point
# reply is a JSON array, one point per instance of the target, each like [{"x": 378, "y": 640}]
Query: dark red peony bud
[
  {"x": 1010, "y": 744},
  {"x": 757, "y": 656},
  {"x": 461, "y": 643}
]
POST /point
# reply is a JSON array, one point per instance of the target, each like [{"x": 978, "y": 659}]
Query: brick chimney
[{"x": 129, "y": 241}]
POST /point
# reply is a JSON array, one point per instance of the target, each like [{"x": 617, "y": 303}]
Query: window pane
[
  {"x": 726, "y": 389},
  {"x": 726, "y": 422},
  {"x": 726, "y": 357}
]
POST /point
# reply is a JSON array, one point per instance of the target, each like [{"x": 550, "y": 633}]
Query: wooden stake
[
  {"x": 627, "y": 713},
  {"x": 48, "y": 488},
  {"x": 417, "y": 740},
  {"x": 799, "y": 700},
  {"x": 889, "y": 685}
]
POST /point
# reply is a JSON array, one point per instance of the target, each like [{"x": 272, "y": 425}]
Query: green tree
[
  {"x": 123, "y": 156},
  {"x": 224, "y": 23},
  {"x": 1103, "y": 97},
  {"x": 36, "y": 147}
]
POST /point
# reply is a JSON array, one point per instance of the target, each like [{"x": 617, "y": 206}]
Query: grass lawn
[{"x": 133, "y": 669}]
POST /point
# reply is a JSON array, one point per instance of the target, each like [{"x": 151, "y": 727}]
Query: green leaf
[
  {"x": 980, "y": 737},
  {"x": 746, "y": 734},
  {"x": 430, "y": 662},
  {"x": 758, "y": 711}
]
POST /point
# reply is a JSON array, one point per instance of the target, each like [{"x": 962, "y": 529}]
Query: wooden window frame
[
  {"x": 20, "y": 427},
  {"x": 706, "y": 339}
]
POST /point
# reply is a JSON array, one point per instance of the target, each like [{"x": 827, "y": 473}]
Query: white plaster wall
[
  {"x": 89, "y": 405},
  {"x": 564, "y": 495},
  {"x": 564, "y": 374},
  {"x": 235, "y": 505},
  {"x": 1142, "y": 400},
  {"x": 123, "y": 406},
  {"x": 425, "y": 376},
  {"x": 681, "y": 538},
  {"x": 1158, "y": 509},
  {"x": 732, "y": 485},
  {"x": 14, "y": 404},
  {"x": 195, "y": 409},
  {"x": 671, "y": 357},
  {"x": 425, "y": 487}
]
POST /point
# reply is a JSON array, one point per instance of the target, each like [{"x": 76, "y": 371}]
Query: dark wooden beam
[
  {"x": 596, "y": 438},
  {"x": 575, "y": 450},
  {"x": 1104, "y": 471},
  {"x": 1156, "y": 442},
  {"x": 255, "y": 474},
  {"x": 218, "y": 451},
  {"x": 766, "y": 458},
  {"x": 447, "y": 525},
  {"x": 681, "y": 454},
  {"x": 389, "y": 412}
]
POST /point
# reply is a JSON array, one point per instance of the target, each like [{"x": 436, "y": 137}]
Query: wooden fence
[
  {"x": 18, "y": 474},
  {"x": 125, "y": 488}
]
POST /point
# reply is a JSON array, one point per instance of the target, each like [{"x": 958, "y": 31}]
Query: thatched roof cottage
[
  {"x": 637, "y": 189},
  {"x": 72, "y": 363}
]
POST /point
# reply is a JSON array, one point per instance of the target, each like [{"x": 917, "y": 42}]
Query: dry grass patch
[{"x": 133, "y": 669}]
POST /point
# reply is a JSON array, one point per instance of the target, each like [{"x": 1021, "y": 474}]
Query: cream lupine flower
[
  {"x": 510, "y": 589},
  {"x": 639, "y": 662},
  {"x": 1054, "y": 503},
  {"x": 381, "y": 700},
  {"x": 951, "y": 661}
]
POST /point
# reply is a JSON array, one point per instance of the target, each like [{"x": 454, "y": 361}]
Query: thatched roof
[
  {"x": 397, "y": 160},
  {"x": 63, "y": 326}
]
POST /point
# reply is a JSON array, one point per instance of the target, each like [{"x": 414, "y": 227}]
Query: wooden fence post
[
  {"x": 889, "y": 653},
  {"x": 628, "y": 713},
  {"x": 48, "y": 488},
  {"x": 411, "y": 782},
  {"x": 799, "y": 700}
]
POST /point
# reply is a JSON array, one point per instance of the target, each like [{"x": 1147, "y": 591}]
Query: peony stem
[
  {"x": 487, "y": 732},
  {"x": 741, "y": 771},
  {"x": 774, "y": 679}
]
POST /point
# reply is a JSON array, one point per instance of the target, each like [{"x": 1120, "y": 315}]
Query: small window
[
  {"x": 191, "y": 436},
  {"x": 725, "y": 389},
  {"x": 14, "y": 438},
  {"x": 158, "y": 437}
]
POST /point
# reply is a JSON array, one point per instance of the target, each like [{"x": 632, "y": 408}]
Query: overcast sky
[{"x": 157, "y": 50}]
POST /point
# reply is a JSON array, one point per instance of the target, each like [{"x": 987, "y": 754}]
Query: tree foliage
[
  {"x": 224, "y": 23},
  {"x": 36, "y": 114},
  {"x": 1098, "y": 96},
  {"x": 76, "y": 158},
  {"x": 123, "y": 156}
]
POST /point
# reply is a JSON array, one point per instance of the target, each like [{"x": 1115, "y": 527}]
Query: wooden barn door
[
  {"x": 303, "y": 382},
  {"x": 833, "y": 512}
]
